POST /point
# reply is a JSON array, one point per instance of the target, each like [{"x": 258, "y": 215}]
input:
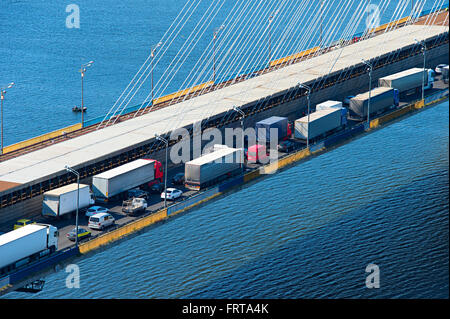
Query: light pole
[
  {"x": 83, "y": 70},
  {"x": 71, "y": 170},
  {"x": 424, "y": 49},
  {"x": 162, "y": 139},
  {"x": 242, "y": 127},
  {"x": 3, "y": 92},
  {"x": 369, "y": 65},
  {"x": 152, "y": 55},
  {"x": 300, "y": 85},
  {"x": 216, "y": 31}
]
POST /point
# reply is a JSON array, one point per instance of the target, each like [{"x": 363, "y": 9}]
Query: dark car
[
  {"x": 82, "y": 233},
  {"x": 286, "y": 146},
  {"x": 178, "y": 179},
  {"x": 157, "y": 188},
  {"x": 137, "y": 193}
]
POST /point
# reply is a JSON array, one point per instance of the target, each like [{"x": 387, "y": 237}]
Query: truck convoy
[
  {"x": 63, "y": 200},
  {"x": 28, "y": 243},
  {"x": 120, "y": 179},
  {"x": 212, "y": 167},
  {"x": 409, "y": 81}
]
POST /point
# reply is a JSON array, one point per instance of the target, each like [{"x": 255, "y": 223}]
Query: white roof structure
[
  {"x": 317, "y": 115},
  {"x": 373, "y": 92},
  {"x": 124, "y": 168},
  {"x": 210, "y": 157},
  {"x": 83, "y": 150},
  {"x": 65, "y": 189},
  {"x": 403, "y": 74},
  {"x": 19, "y": 232}
]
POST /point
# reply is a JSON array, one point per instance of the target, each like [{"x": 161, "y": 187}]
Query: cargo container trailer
[
  {"x": 321, "y": 123},
  {"x": 409, "y": 81},
  {"x": 381, "y": 98},
  {"x": 63, "y": 200}
]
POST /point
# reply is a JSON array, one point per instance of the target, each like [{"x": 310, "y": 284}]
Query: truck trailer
[
  {"x": 408, "y": 81},
  {"x": 337, "y": 105},
  {"x": 381, "y": 98},
  {"x": 321, "y": 122},
  {"x": 25, "y": 244},
  {"x": 63, "y": 200},
  {"x": 120, "y": 179},
  {"x": 280, "y": 124},
  {"x": 212, "y": 167}
]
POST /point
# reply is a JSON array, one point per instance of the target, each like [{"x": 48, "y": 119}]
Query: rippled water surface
[{"x": 306, "y": 232}]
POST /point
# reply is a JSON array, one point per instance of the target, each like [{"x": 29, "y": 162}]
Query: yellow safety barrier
[
  {"x": 419, "y": 104},
  {"x": 272, "y": 167},
  {"x": 183, "y": 92},
  {"x": 122, "y": 231},
  {"x": 196, "y": 204},
  {"x": 294, "y": 56},
  {"x": 389, "y": 24},
  {"x": 41, "y": 138},
  {"x": 251, "y": 175}
]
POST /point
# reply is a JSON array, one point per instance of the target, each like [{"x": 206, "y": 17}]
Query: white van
[{"x": 101, "y": 221}]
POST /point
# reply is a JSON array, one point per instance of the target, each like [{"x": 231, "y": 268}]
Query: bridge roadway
[{"x": 44, "y": 164}]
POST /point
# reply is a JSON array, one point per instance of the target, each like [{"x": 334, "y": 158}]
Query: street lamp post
[
  {"x": 71, "y": 170},
  {"x": 237, "y": 109},
  {"x": 160, "y": 138},
  {"x": 83, "y": 70},
  {"x": 152, "y": 55},
  {"x": 423, "y": 48},
  {"x": 3, "y": 92},
  {"x": 300, "y": 85},
  {"x": 370, "y": 68},
  {"x": 216, "y": 31}
]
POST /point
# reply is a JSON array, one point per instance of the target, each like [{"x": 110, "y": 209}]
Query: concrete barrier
[
  {"x": 122, "y": 231},
  {"x": 41, "y": 138}
]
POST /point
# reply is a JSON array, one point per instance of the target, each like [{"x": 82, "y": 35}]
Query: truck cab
[
  {"x": 430, "y": 80},
  {"x": 257, "y": 154},
  {"x": 159, "y": 173}
]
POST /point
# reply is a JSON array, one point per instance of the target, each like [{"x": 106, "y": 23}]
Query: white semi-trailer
[
  {"x": 63, "y": 200},
  {"x": 409, "y": 80},
  {"x": 321, "y": 123},
  {"x": 25, "y": 244}
]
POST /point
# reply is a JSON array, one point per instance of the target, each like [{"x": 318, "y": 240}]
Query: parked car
[
  {"x": 137, "y": 193},
  {"x": 157, "y": 188},
  {"x": 439, "y": 67},
  {"x": 172, "y": 193},
  {"x": 22, "y": 222},
  {"x": 286, "y": 146},
  {"x": 82, "y": 233},
  {"x": 101, "y": 221},
  {"x": 178, "y": 179},
  {"x": 95, "y": 210}
]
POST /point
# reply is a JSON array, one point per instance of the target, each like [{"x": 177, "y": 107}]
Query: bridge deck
[{"x": 45, "y": 163}]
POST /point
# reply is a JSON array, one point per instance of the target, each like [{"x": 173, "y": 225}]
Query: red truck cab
[
  {"x": 159, "y": 172},
  {"x": 257, "y": 153}
]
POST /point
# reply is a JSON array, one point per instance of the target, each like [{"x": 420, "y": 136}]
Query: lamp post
[
  {"x": 370, "y": 68},
  {"x": 152, "y": 55},
  {"x": 300, "y": 85},
  {"x": 71, "y": 170},
  {"x": 83, "y": 70},
  {"x": 423, "y": 48},
  {"x": 237, "y": 109},
  {"x": 3, "y": 92},
  {"x": 162, "y": 139}
]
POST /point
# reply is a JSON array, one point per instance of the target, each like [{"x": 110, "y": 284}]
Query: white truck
[
  {"x": 63, "y": 200},
  {"x": 120, "y": 179},
  {"x": 20, "y": 246},
  {"x": 409, "y": 81}
]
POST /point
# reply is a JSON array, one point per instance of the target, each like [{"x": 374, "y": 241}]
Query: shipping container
[
  {"x": 334, "y": 104},
  {"x": 209, "y": 167},
  {"x": 405, "y": 80},
  {"x": 320, "y": 123},
  {"x": 123, "y": 178},
  {"x": 27, "y": 241},
  {"x": 264, "y": 127},
  {"x": 380, "y": 99},
  {"x": 63, "y": 200},
  {"x": 445, "y": 74}
]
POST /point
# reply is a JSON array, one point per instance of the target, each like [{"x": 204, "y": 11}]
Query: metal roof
[
  {"x": 65, "y": 189},
  {"x": 403, "y": 74},
  {"x": 20, "y": 232},
  {"x": 317, "y": 115},
  {"x": 374, "y": 92},
  {"x": 50, "y": 161},
  {"x": 124, "y": 168},
  {"x": 210, "y": 157}
]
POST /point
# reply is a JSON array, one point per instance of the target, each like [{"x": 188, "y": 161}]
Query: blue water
[
  {"x": 306, "y": 232},
  {"x": 43, "y": 57}
]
